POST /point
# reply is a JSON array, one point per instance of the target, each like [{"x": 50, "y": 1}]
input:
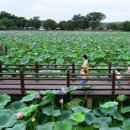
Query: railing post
[
  {"x": 22, "y": 82},
  {"x": 113, "y": 82},
  {"x": 73, "y": 69},
  {"x": 68, "y": 78},
  {"x": 36, "y": 69},
  {"x": 1, "y": 68},
  {"x": 109, "y": 69}
]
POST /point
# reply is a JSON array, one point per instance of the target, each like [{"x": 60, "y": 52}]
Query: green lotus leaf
[
  {"x": 109, "y": 107},
  {"x": 4, "y": 99},
  {"x": 85, "y": 87},
  {"x": 71, "y": 89},
  {"x": 47, "y": 99},
  {"x": 90, "y": 118},
  {"x": 118, "y": 116},
  {"x": 63, "y": 125},
  {"x": 97, "y": 112},
  {"x": 125, "y": 109},
  {"x": 53, "y": 92},
  {"x": 74, "y": 102},
  {"x": 109, "y": 104},
  {"x": 18, "y": 127},
  {"x": 122, "y": 98},
  {"x": 102, "y": 122},
  {"x": 51, "y": 112},
  {"x": 80, "y": 109},
  {"x": 65, "y": 115},
  {"x": 126, "y": 124},
  {"x": 17, "y": 105},
  {"x": 114, "y": 128},
  {"x": 30, "y": 97},
  {"x": 28, "y": 110},
  {"x": 78, "y": 117},
  {"x": 48, "y": 126},
  {"x": 7, "y": 118}
]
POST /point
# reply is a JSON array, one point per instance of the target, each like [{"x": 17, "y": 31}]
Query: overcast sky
[{"x": 115, "y": 10}]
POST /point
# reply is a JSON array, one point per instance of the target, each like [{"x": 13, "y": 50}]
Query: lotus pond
[
  {"x": 64, "y": 47},
  {"x": 41, "y": 111}
]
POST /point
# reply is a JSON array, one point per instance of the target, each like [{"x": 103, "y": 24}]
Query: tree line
[{"x": 92, "y": 21}]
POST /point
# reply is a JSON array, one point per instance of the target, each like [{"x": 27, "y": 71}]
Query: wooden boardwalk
[
  {"x": 99, "y": 88},
  {"x": 18, "y": 79}
]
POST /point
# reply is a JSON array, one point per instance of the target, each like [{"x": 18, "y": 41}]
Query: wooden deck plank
[{"x": 49, "y": 84}]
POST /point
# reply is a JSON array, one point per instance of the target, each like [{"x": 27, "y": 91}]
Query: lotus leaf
[
  {"x": 122, "y": 98},
  {"x": 18, "y": 127},
  {"x": 80, "y": 109},
  {"x": 7, "y": 118},
  {"x": 78, "y": 117},
  {"x": 4, "y": 99},
  {"x": 17, "y": 105},
  {"x": 125, "y": 109},
  {"x": 51, "y": 112},
  {"x": 28, "y": 110}
]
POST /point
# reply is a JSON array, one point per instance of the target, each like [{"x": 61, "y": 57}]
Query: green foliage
[
  {"x": 7, "y": 118},
  {"x": 28, "y": 110},
  {"x": 70, "y": 46},
  {"x": 4, "y": 99},
  {"x": 17, "y": 105},
  {"x": 122, "y": 98},
  {"x": 81, "y": 109},
  {"x": 51, "y": 112},
  {"x": 78, "y": 117},
  {"x": 31, "y": 114},
  {"x": 109, "y": 107},
  {"x": 21, "y": 126},
  {"x": 126, "y": 124},
  {"x": 125, "y": 109}
]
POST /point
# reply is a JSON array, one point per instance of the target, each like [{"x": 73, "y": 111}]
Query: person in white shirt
[
  {"x": 85, "y": 63},
  {"x": 83, "y": 76},
  {"x": 118, "y": 77}
]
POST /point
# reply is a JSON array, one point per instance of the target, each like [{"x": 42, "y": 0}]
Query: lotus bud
[
  {"x": 38, "y": 97},
  {"x": 62, "y": 89},
  {"x": 19, "y": 115},
  {"x": 33, "y": 119},
  {"x": 61, "y": 101}
]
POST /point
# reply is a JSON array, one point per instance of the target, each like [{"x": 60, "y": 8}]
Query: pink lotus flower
[
  {"x": 38, "y": 97},
  {"x": 19, "y": 115},
  {"x": 61, "y": 101},
  {"x": 62, "y": 89}
]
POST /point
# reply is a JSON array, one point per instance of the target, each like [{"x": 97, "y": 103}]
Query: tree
[
  {"x": 34, "y": 23},
  {"x": 49, "y": 24},
  {"x": 94, "y": 19},
  {"x": 4, "y": 14},
  {"x": 115, "y": 26},
  {"x": 80, "y": 22},
  {"x": 6, "y": 23},
  {"x": 126, "y": 26},
  {"x": 69, "y": 25},
  {"x": 21, "y": 22},
  {"x": 62, "y": 25}
]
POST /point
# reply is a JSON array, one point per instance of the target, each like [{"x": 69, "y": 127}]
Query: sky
[{"x": 58, "y": 10}]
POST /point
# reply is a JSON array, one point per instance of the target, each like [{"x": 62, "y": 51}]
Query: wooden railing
[
  {"x": 23, "y": 81},
  {"x": 107, "y": 68}
]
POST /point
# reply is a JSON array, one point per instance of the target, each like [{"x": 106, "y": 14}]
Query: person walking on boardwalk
[
  {"x": 118, "y": 78},
  {"x": 85, "y": 63},
  {"x": 84, "y": 70},
  {"x": 83, "y": 73}
]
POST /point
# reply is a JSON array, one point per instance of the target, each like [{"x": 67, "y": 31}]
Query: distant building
[{"x": 41, "y": 29}]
